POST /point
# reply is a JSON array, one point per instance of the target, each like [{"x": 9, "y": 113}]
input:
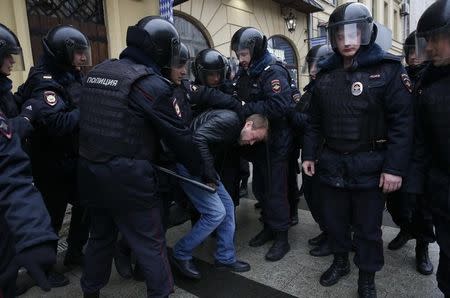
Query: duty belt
[{"x": 346, "y": 148}]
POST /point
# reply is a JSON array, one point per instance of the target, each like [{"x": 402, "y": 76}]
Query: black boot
[
  {"x": 319, "y": 239},
  {"x": 366, "y": 285},
  {"x": 339, "y": 268},
  {"x": 423, "y": 263},
  {"x": 185, "y": 267},
  {"x": 264, "y": 236},
  {"x": 321, "y": 250},
  {"x": 280, "y": 247},
  {"x": 399, "y": 240},
  {"x": 91, "y": 295},
  {"x": 56, "y": 279}
]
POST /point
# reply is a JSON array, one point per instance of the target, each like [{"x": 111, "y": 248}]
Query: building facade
[{"x": 201, "y": 23}]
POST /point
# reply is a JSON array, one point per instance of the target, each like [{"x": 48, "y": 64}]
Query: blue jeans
[{"x": 217, "y": 212}]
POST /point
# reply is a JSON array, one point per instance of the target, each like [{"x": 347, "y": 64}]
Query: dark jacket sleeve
[
  {"x": 151, "y": 97},
  {"x": 212, "y": 128},
  {"x": 205, "y": 97},
  {"x": 313, "y": 134},
  {"x": 22, "y": 127},
  {"x": 399, "y": 116},
  {"x": 21, "y": 205},
  {"x": 58, "y": 119},
  {"x": 278, "y": 99}
]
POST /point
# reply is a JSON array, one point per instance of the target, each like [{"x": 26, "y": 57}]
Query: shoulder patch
[
  {"x": 407, "y": 82},
  {"x": 194, "y": 88},
  {"x": 176, "y": 107},
  {"x": 276, "y": 86},
  {"x": 5, "y": 128},
  {"x": 50, "y": 98}
]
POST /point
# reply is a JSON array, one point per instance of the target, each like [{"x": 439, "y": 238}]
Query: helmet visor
[
  {"x": 433, "y": 46},
  {"x": 212, "y": 77},
  {"x": 233, "y": 67},
  {"x": 353, "y": 34},
  {"x": 175, "y": 59},
  {"x": 81, "y": 55},
  {"x": 15, "y": 56}
]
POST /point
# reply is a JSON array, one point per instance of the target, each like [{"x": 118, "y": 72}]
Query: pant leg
[
  {"x": 337, "y": 213},
  {"x": 293, "y": 191},
  {"x": 400, "y": 205},
  {"x": 212, "y": 211},
  {"x": 422, "y": 220},
  {"x": 99, "y": 251},
  {"x": 144, "y": 233},
  {"x": 79, "y": 228},
  {"x": 276, "y": 205},
  {"x": 244, "y": 171},
  {"x": 368, "y": 206},
  {"x": 259, "y": 181},
  {"x": 311, "y": 191},
  {"x": 442, "y": 224},
  {"x": 225, "y": 251}
]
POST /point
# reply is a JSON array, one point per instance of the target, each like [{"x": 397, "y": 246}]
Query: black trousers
[
  {"x": 57, "y": 194},
  {"x": 143, "y": 231},
  {"x": 311, "y": 191},
  {"x": 412, "y": 213},
  {"x": 293, "y": 190},
  {"x": 56, "y": 197},
  {"x": 270, "y": 187},
  {"x": 439, "y": 189},
  {"x": 361, "y": 211}
]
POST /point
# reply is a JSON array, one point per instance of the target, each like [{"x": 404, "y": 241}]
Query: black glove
[
  {"x": 37, "y": 260},
  {"x": 30, "y": 110}
]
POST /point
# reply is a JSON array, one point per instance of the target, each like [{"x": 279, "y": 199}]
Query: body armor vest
[
  {"x": 352, "y": 107},
  {"x": 108, "y": 128}
]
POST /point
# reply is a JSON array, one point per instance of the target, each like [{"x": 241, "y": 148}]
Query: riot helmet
[
  {"x": 158, "y": 39},
  {"x": 210, "y": 67},
  {"x": 409, "y": 49},
  {"x": 315, "y": 54},
  {"x": 10, "y": 45},
  {"x": 433, "y": 34},
  {"x": 350, "y": 24},
  {"x": 67, "y": 46},
  {"x": 251, "y": 39}
]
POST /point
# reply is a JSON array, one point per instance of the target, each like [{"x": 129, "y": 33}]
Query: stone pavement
[{"x": 295, "y": 275}]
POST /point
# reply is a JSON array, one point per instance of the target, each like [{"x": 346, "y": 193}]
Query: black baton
[{"x": 185, "y": 179}]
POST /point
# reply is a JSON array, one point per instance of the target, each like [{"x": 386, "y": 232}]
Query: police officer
[
  {"x": 264, "y": 86},
  {"x": 311, "y": 184},
  {"x": 55, "y": 84},
  {"x": 125, "y": 111},
  {"x": 26, "y": 234},
  {"x": 433, "y": 125},
  {"x": 362, "y": 108},
  {"x": 409, "y": 210},
  {"x": 11, "y": 59},
  {"x": 210, "y": 69}
]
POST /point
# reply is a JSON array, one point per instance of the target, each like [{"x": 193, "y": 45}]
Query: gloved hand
[
  {"x": 31, "y": 110},
  {"x": 37, "y": 260}
]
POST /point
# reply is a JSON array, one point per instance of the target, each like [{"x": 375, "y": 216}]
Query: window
[
  {"x": 192, "y": 36},
  {"x": 283, "y": 50},
  {"x": 396, "y": 24}
]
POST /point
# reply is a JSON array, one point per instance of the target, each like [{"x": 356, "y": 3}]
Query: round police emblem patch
[
  {"x": 357, "y": 88},
  {"x": 50, "y": 98}
]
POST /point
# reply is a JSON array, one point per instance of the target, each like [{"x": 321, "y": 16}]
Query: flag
[{"x": 166, "y": 9}]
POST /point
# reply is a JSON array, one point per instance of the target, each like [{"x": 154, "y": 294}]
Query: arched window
[
  {"x": 283, "y": 50},
  {"x": 192, "y": 36}
]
